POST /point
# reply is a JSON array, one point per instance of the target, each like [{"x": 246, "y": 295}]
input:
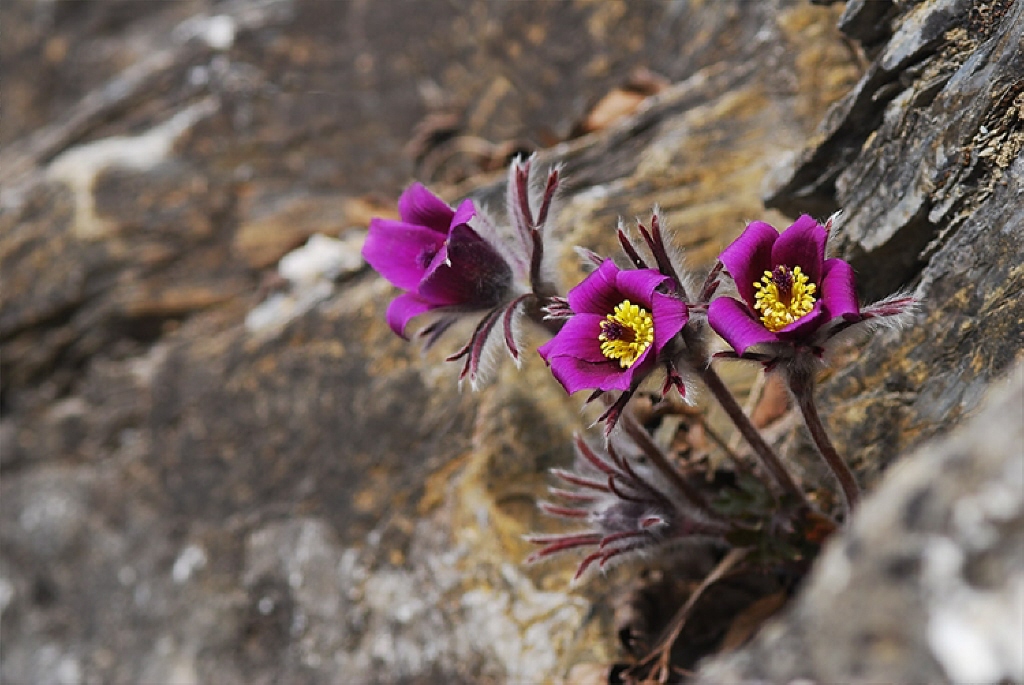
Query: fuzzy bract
[
  {"x": 620, "y": 322},
  {"x": 623, "y": 507},
  {"x": 433, "y": 254}
]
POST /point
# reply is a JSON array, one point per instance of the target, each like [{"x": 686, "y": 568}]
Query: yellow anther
[
  {"x": 626, "y": 333},
  {"x": 783, "y": 296}
]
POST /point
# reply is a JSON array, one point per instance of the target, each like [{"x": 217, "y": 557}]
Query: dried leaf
[
  {"x": 773, "y": 403},
  {"x": 621, "y": 102},
  {"x": 616, "y": 105},
  {"x": 748, "y": 621}
]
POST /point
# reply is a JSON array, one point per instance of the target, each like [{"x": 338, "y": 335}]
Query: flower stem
[
  {"x": 801, "y": 383},
  {"x": 735, "y": 412},
  {"x": 643, "y": 440}
]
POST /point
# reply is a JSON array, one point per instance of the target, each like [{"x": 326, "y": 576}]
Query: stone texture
[
  {"x": 928, "y": 579},
  {"x": 927, "y": 584},
  {"x": 931, "y": 193},
  {"x": 192, "y": 493}
]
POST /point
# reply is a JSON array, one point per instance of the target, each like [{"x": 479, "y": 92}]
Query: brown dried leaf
[
  {"x": 616, "y": 105},
  {"x": 773, "y": 403},
  {"x": 622, "y": 101},
  {"x": 750, "y": 620}
]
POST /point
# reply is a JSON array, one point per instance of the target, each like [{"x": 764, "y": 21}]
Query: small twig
[{"x": 664, "y": 649}]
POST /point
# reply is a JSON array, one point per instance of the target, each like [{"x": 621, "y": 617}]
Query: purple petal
[
  {"x": 749, "y": 256},
  {"x": 642, "y": 367},
  {"x": 439, "y": 260},
  {"x": 465, "y": 212},
  {"x": 638, "y": 286},
  {"x": 735, "y": 323},
  {"x": 443, "y": 284},
  {"x": 421, "y": 207},
  {"x": 805, "y": 325},
  {"x": 403, "y": 308},
  {"x": 670, "y": 315},
  {"x": 578, "y": 338},
  {"x": 839, "y": 289},
  {"x": 803, "y": 245},
  {"x": 400, "y": 252},
  {"x": 577, "y": 374},
  {"x": 597, "y": 293},
  {"x": 466, "y": 271}
]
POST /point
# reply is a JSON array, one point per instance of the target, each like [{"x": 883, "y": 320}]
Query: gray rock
[
  {"x": 927, "y": 583},
  {"x": 188, "y": 499}
]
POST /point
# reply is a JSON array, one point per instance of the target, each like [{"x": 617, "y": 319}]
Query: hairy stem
[
  {"x": 801, "y": 383},
  {"x": 643, "y": 440},
  {"x": 753, "y": 437}
]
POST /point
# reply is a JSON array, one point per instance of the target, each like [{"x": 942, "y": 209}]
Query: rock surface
[
  {"x": 219, "y": 468},
  {"x": 927, "y": 584},
  {"x": 933, "y": 198}
]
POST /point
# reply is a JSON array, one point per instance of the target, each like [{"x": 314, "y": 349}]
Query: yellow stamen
[
  {"x": 626, "y": 333},
  {"x": 783, "y": 296}
]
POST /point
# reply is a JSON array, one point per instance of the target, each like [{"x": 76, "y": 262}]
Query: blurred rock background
[{"x": 217, "y": 464}]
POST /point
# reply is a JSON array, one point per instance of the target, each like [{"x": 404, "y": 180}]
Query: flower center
[
  {"x": 783, "y": 296},
  {"x": 626, "y": 333}
]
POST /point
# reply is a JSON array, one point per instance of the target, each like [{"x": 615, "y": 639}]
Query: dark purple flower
[
  {"x": 620, "y": 322},
  {"x": 789, "y": 290},
  {"x": 434, "y": 255}
]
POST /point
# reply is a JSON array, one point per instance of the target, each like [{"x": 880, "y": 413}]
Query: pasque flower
[
  {"x": 434, "y": 255},
  {"x": 794, "y": 304},
  {"x": 620, "y": 322},
  {"x": 789, "y": 290}
]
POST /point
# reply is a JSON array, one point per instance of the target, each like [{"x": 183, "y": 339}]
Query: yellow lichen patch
[
  {"x": 626, "y": 333},
  {"x": 783, "y": 296}
]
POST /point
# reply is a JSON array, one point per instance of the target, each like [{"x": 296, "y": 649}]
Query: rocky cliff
[{"x": 219, "y": 465}]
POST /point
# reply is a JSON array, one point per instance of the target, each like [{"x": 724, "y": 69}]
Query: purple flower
[
  {"x": 620, "y": 322},
  {"x": 432, "y": 253},
  {"x": 789, "y": 291}
]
